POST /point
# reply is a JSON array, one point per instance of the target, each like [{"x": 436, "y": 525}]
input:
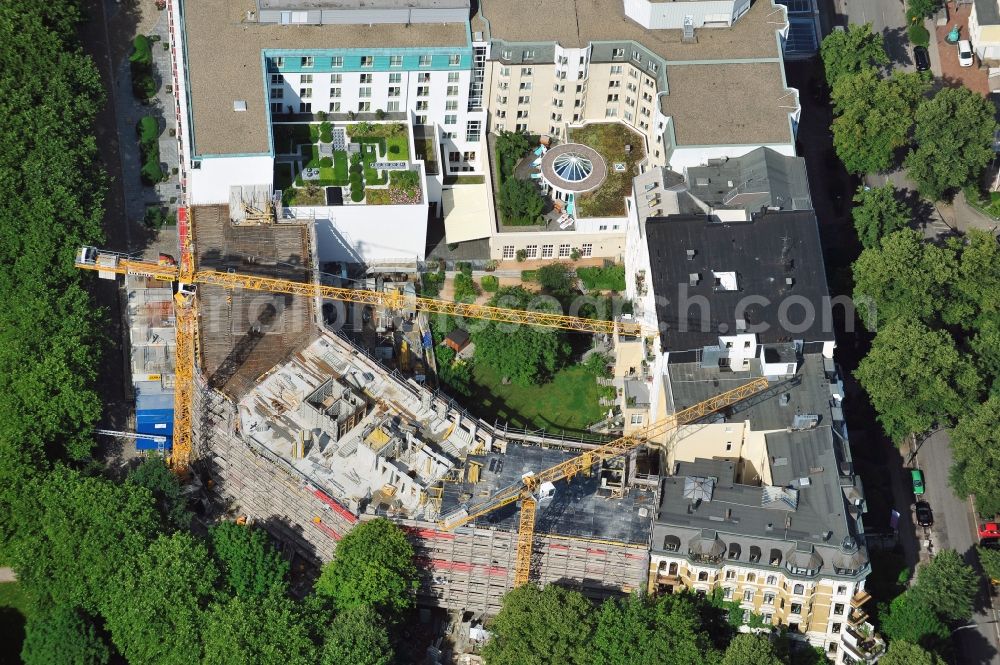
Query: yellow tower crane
[
  {"x": 110, "y": 264},
  {"x": 524, "y": 491}
]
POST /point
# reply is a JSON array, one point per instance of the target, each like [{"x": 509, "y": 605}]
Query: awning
[{"x": 466, "y": 213}]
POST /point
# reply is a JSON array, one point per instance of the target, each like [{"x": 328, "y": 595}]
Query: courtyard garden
[{"x": 313, "y": 156}]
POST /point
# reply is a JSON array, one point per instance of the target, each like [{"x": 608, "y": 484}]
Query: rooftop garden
[
  {"x": 520, "y": 202},
  {"x": 311, "y": 157},
  {"x": 609, "y": 139}
]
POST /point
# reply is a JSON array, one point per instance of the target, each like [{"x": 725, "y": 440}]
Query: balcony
[
  {"x": 860, "y": 598},
  {"x": 862, "y": 643},
  {"x": 857, "y": 617}
]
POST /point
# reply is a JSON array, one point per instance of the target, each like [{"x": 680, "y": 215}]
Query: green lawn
[
  {"x": 991, "y": 208},
  {"x": 569, "y": 402},
  {"x": 401, "y": 143},
  {"x": 288, "y": 137},
  {"x": 370, "y": 155},
  {"x": 608, "y": 278},
  {"x": 609, "y": 139},
  {"x": 13, "y": 612}
]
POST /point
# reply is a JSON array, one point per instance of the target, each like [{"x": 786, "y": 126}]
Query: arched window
[
  {"x": 673, "y": 569},
  {"x": 703, "y": 576},
  {"x": 798, "y": 589},
  {"x": 751, "y": 577},
  {"x": 772, "y": 580}
]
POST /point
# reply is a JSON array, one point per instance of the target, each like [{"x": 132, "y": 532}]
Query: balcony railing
[{"x": 860, "y": 598}]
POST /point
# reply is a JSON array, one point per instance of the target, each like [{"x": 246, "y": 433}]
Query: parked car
[
  {"x": 921, "y": 58},
  {"x": 925, "y": 517},
  {"x": 917, "y": 477},
  {"x": 964, "y": 53}
]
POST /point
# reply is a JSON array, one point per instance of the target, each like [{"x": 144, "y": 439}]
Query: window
[
  {"x": 602, "y": 227},
  {"x": 334, "y": 107},
  {"x": 452, "y": 90},
  {"x": 616, "y": 69},
  {"x": 395, "y": 61},
  {"x": 772, "y": 580},
  {"x": 364, "y": 107},
  {"x": 367, "y": 61},
  {"x": 702, "y": 576},
  {"x": 841, "y": 590},
  {"x": 766, "y": 618},
  {"x": 796, "y": 608},
  {"x": 394, "y": 91},
  {"x": 364, "y": 92},
  {"x": 524, "y": 99},
  {"x": 838, "y": 609},
  {"x": 468, "y": 156},
  {"x": 500, "y": 126},
  {"x": 454, "y": 60},
  {"x": 611, "y": 113},
  {"x": 306, "y": 61},
  {"x": 421, "y": 120},
  {"x": 335, "y": 92},
  {"x": 337, "y": 61},
  {"x": 306, "y": 78},
  {"x": 423, "y": 91},
  {"x": 501, "y": 113},
  {"x": 422, "y": 106},
  {"x": 559, "y": 87},
  {"x": 425, "y": 61},
  {"x": 472, "y": 130},
  {"x": 450, "y": 119},
  {"x": 522, "y": 115},
  {"x": 528, "y": 55},
  {"x": 453, "y": 156},
  {"x": 395, "y": 78},
  {"x": 277, "y": 93},
  {"x": 305, "y": 93},
  {"x": 501, "y": 99},
  {"x": 557, "y": 117},
  {"x": 505, "y": 54},
  {"x": 727, "y": 592},
  {"x": 525, "y": 85},
  {"x": 614, "y": 84},
  {"x": 750, "y": 576},
  {"x": 279, "y": 62},
  {"x": 628, "y": 116},
  {"x": 653, "y": 67},
  {"x": 563, "y": 250},
  {"x": 336, "y": 79},
  {"x": 392, "y": 107},
  {"x": 835, "y": 629},
  {"x": 277, "y": 107},
  {"x": 305, "y": 107},
  {"x": 617, "y": 53},
  {"x": 636, "y": 417},
  {"x": 508, "y": 252},
  {"x": 586, "y": 249},
  {"x": 579, "y": 89},
  {"x": 452, "y": 77},
  {"x": 275, "y": 79},
  {"x": 769, "y": 598},
  {"x": 612, "y": 98},
  {"x": 365, "y": 78},
  {"x": 748, "y": 596},
  {"x": 502, "y": 85},
  {"x": 730, "y": 574},
  {"x": 558, "y": 103},
  {"x": 531, "y": 251},
  {"x": 451, "y": 105},
  {"x": 527, "y": 71},
  {"x": 424, "y": 77},
  {"x": 798, "y": 589},
  {"x": 636, "y": 56}
]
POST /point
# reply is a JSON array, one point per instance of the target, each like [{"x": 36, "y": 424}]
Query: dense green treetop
[
  {"x": 750, "y": 649},
  {"x": 154, "y": 606},
  {"x": 265, "y": 629},
  {"x": 373, "y": 566},
  {"x": 520, "y": 202},
  {"x": 908, "y": 359},
  {"x": 948, "y": 584},
  {"x": 904, "y": 653},
  {"x": 907, "y": 620},
  {"x": 357, "y": 636},
  {"x": 875, "y": 117},
  {"x": 642, "y": 631},
  {"x": 551, "y": 625},
  {"x": 249, "y": 563},
  {"x": 154, "y": 475},
  {"x": 877, "y": 214},
  {"x": 851, "y": 51},
  {"x": 954, "y": 141},
  {"x": 59, "y": 635},
  {"x": 990, "y": 560},
  {"x": 975, "y": 446}
]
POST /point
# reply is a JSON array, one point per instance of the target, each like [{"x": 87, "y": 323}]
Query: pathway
[{"x": 7, "y": 575}]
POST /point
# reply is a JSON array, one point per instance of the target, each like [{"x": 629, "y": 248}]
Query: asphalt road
[
  {"x": 887, "y": 17},
  {"x": 955, "y": 528}
]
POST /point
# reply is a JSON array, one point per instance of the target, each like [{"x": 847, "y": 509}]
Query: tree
[
  {"x": 509, "y": 148},
  {"x": 557, "y": 279},
  {"x": 373, "y": 566},
  {"x": 975, "y": 447},
  {"x": 904, "y": 277},
  {"x": 357, "y": 636},
  {"x": 525, "y": 354},
  {"x": 268, "y": 629},
  {"x": 851, "y": 51},
  {"x": 916, "y": 378},
  {"x": 875, "y": 117},
  {"x": 977, "y": 282},
  {"x": 519, "y": 202},
  {"x": 457, "y": 375},
  {"x": 904, "y": 653},
  {"x": 641, "y": 631},
  {"x": 552, "y": 622},
  {"x": 923, "y": 8},
  {"x": 911, "y": 621},
  {"x": 154, "y": 606},
  {"x": 954, "y": 141},
  {"x": 948, "y": 585},
  {"x": 877, "y": 214},
  {"x": 249, "y": 563},
  {"x": 989, "y": 558},
  {"x": 59, "y": 635},
  {"x": 154, "y": 475},
  {"x": 750, "y": 649}
]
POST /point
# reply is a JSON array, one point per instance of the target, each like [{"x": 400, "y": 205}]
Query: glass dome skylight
[{"x": 572, "y": 167}]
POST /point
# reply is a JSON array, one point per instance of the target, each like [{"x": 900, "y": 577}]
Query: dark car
[
  {"x": 924, "y": 515},
  {"x": 921, "y": 58}
]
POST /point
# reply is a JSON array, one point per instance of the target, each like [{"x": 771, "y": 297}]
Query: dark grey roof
[
  {"x": 987, "y": 12},
  {"x": 760, "y": 178},
  {"x": 774, "y": 256},
  {"x": 578, "y": 508}
]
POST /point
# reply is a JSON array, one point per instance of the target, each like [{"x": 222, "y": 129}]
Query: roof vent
[
  {"x": 687, "y": 36},
  {"x": 694, "y": 278},
  {"x": 741, "y": 325},
  {"x": 690, "y": 254},
  {"x": 789, "y": 282},
  {"x": 240, "y": 105}
]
